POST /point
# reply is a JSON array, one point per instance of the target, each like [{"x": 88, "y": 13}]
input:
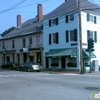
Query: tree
[{"x": 7, "y": 31}]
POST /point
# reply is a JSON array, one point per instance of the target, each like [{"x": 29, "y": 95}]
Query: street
[{"x": 17, "y": 85}]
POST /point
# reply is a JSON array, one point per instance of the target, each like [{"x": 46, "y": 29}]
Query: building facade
[
  {"x": 25, "y": 43},
  {"x": 62, "y": 37}
]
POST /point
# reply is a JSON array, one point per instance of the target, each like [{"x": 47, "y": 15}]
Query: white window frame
[
  {"x": 91, "y": 35},
  {"x": 91, "y": 18},
  {"x": 38, "y": 40},
  {"x": 53, "y": 38},
  {"x": 53, "y": 22},
  {"x": 69, "y": 32},
  {"x": 71, "y": 17}
]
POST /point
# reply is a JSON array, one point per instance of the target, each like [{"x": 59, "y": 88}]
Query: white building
[{"x": 61, "y": 34}]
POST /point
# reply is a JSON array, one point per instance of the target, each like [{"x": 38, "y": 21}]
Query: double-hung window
[
  {"x": 71, "y": 35},
  {"x": 69, "y": 18},
  {"x": 53, "y": 38},
  {"x": 38, "y": 40},
  {"x": 24, "y": 43},
  {"x": 92, "y": 35},
  {"x": 91, "y": 18},
  {"x": 30, "y": 40},
  {"x": 53, "y": 22}
]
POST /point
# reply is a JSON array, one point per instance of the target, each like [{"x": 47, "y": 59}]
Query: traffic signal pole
[
  {"x": 80, "y": 39},
  {"x": 90, "y": 59}
]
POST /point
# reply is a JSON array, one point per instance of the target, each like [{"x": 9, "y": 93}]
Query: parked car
[
  {"x": 29, "y": 66},
  {"x": 9, "y": 65}
]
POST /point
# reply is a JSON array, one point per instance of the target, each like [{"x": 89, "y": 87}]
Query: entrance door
[
  {"x": 63, "y": 64},
  {"x": 31, "y": 59},
  {"x": 24, "y": 57},
  {"x": 18, "y": 58},
  {"x": 47, "y": 63}
]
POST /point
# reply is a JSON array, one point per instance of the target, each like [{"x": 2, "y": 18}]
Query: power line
[
  {"x": 64, "y": 8},
  {"x": 12, "y": 7}
]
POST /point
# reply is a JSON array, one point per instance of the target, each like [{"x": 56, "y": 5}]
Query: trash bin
[{"x": 86, "y": 68}]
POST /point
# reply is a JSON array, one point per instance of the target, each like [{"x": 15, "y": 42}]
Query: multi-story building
[
  {"x": 62, "y": 37},
  {"x": 25, "y": 43}
]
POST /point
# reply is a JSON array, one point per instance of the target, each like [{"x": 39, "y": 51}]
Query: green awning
[{"x": 69, "y": 52}]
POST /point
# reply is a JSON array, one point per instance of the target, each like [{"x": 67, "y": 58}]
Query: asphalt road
[{"x": 16, "y": 85}]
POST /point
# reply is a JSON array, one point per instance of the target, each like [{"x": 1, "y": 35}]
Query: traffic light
[{"x": 90, "y": 44}]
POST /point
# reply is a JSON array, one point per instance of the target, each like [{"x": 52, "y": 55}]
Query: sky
[{"x": 9, "y": 9}]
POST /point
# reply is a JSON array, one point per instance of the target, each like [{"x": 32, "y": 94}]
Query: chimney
[
  {"x": 66, "y": 0},
  {"x": 18, "y": 21},
  {"x": 39, "y": 9}
]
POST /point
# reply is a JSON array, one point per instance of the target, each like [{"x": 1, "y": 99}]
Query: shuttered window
[
  {"x": 71, "y": 35},
  {"x": 54, "y": 38},
  {"x": 53, "y": 22},
  {"x": 95, "y": 36},
  {"x": 92, "y": 34},
  {"x": 91, "y": 18}
]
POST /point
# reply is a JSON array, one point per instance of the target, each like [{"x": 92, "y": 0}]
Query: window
[
  {"x": 71, "y": 35},
  {"x": 92, "y": 34},
  {"x": 53, "y": 38},
  {"x": 3, "y": 45},
  {"x": 38, "y": 57},
  {"x": 13, "y": 43},
  {"x": 69, "y": 18},
  {"x": 38, "y": 40},
  {"x": 55, "y": 62},
  {"x": 53, "y": 22},
  {"x": 91, "y": 18},
  {"x": 30, "y": 40},
  {"x": 23, "y": 42}
]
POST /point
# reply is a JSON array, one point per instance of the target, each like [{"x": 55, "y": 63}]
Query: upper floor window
[
  {"x": 91, "y": 18},
  {"x": 38, "y": 40},
  {"x": 69, "y": 18},
  {"x": 53, "y": 38},
  {"x": 53, "y": 22},
  {"x": 24, "y": 42},
  {"x": 30, "y": 40},
  {"x": 92, "y": 35},
  {"x": 13, "y": 44},
  {"x": 3, "y": 45},
  {"x": 71, "y": 35}
]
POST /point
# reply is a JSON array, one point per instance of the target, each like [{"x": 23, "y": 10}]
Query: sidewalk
[{"x": 68, "y": 72}]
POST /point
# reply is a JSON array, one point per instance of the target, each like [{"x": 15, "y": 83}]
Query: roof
[
  {"x": 28, "y": 27},
  {"x": 68, "y": 52},
  {"x": 32, "y": 25},
  {"x": 72, "y": 6}
]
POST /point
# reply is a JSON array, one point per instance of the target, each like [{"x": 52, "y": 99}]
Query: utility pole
[{"x": 80, "y": 38}]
